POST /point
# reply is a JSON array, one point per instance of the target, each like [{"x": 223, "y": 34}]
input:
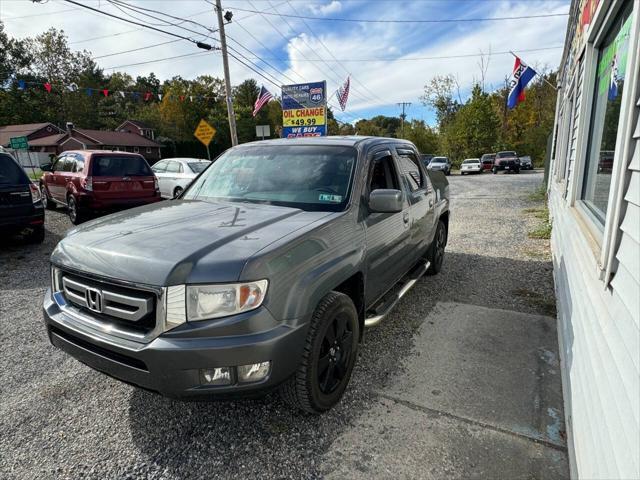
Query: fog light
[
  {"x": 215, "y": 376},
  {"x": 254, "y": 372}
]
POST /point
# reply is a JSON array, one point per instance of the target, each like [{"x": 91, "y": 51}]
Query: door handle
[{"x": 405, "y": 217}]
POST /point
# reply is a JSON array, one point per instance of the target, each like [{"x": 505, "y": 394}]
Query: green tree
[{"x": 422, "y": 136}]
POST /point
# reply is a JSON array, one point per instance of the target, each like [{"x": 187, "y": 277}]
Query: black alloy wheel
[
  {"x": 177, "y": 192},
  {"x": 328, "y": 358},
  {"x": 436, "y": 251},
  {"x": 335, "y": 353}
]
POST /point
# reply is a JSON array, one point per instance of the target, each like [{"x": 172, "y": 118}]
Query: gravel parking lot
[{"x": 60, "y": 419}]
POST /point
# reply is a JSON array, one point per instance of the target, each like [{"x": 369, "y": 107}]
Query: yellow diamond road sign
[{"x": 204, "y": 132}]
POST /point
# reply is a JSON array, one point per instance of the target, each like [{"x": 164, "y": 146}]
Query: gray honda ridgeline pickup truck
[{"x": 263, "y": 274}]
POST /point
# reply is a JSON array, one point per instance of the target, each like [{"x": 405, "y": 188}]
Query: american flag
[
  {"x": 263, "y": 98},
  {"x": 343, "y": 94}
]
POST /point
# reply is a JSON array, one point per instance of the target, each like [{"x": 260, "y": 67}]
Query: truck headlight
[{"x": 214, "y": 301}]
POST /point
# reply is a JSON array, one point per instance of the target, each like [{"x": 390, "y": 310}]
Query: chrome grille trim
[{"x": 112, "y": 302}]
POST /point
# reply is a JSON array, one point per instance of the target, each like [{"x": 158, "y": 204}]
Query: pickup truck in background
[
  {"x": 507, "y": 161},
  {"x": 262, "y": 275}
]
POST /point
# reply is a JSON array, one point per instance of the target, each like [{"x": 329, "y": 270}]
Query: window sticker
[{"x": 326, "y": 197}]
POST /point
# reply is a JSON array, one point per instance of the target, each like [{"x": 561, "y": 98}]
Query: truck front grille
[{"x": 110, "y": 303}]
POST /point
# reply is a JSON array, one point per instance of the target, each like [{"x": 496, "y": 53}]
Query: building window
[
  {"x": 609, "y": 85},
  {"x": 148, "y": 149},
  {"x": 136, "y": 149}
]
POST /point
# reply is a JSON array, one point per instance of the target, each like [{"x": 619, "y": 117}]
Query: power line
[
  {"x": 135, "y": 49},
  {"x": 365, "y": 20},
  {"x": 192, "y": 54},
  {"x": 39, "y": 14},
  {"x": 331, "y": 54},
  {"x": 182, "y": 37},
  {"x": 404, "y": 59}
]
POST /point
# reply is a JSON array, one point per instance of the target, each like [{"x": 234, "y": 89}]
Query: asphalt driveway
[{"x": 462, "y": 380}]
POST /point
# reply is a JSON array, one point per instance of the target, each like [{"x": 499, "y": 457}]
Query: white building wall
[{"x": 597, "y": 277}]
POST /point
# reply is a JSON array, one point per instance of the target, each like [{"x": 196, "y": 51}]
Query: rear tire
[
  {"x": 328, "y": 358},
  {"x": 435, "y": 254},
  {"x": 177, "y": 192},
  {"x": 494, "y": 170},
  {"x": 76, "y": 214}
]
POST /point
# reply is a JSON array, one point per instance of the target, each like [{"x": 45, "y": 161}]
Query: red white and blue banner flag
[
  {"x": 263, "y": 98},
  {"x": 343, "y": 94},
  {"x": 521, "y": 76}
]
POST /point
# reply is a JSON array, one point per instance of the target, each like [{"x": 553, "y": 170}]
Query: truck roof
[{"x": 341, "y": 141}]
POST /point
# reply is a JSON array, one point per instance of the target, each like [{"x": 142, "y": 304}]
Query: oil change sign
[{"x": 304, "y": 110}]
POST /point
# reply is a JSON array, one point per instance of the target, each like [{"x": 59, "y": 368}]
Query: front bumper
[{"x": 170, "y": 363}]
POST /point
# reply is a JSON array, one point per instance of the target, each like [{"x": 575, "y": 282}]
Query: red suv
[{"x": 88, "y": 181}]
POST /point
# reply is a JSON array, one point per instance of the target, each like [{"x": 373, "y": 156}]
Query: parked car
[
  {"x": 21, "y": 208},
  {"x": 175, "y": 174},
  {"x": 263, "y": 274},
  {"x": 487, "y": 161},
  {"x": 507, "y": 161},
  {"x": 526, "y": 163},
  {"x": 441, "y": 164},
  {"x": 91, "y": 181},
  {"x": 426, "y": 158},
  {"x": 471, "y": 165}
]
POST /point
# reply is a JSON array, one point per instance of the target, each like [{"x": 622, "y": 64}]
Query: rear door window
[
  {"x": 411, "y": 170},
  {"x": 78, "y": 163},
  {"x": 10, "y": 172},
  {"x": 160, "y": 167},
  {"x": 120, "y": 166},
  {"x": 173, "y": 167}
]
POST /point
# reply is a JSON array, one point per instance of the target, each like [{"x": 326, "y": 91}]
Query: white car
[
  {"x": 471, "y": 165},
  {"x": 175, "y": 174}
]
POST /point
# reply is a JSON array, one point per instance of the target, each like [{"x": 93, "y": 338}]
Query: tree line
[{"x": 465, "y": 128}]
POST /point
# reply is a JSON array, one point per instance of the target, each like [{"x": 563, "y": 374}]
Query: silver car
[{"x": 175, "y": 174}]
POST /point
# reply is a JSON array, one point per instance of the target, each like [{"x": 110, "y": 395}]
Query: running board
[{"x": 388, "y": 304}]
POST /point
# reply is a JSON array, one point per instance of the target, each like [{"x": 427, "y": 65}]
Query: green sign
[{"x": 19, "y": 143}]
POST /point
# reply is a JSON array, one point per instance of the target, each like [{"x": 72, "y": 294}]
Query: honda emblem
[{"x": 93, "y": 297}]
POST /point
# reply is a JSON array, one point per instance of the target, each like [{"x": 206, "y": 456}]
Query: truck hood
[{"x": 179, "y": 241}]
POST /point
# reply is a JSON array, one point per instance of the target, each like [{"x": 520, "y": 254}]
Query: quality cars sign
[{"x": 304, "y": 110}]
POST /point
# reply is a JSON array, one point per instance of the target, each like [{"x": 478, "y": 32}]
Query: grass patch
[
  {"x": 34, "y": 176},
  {"x": 539, "y": 194},
  {"x": 542, "y": 232}
]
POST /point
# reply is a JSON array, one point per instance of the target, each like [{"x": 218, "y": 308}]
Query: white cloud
[{"x": 333, "y": 7}]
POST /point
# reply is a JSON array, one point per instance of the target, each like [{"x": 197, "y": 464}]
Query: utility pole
[
  {"x": 403, "y": 115},
  {"x": 227, "y": 80}
]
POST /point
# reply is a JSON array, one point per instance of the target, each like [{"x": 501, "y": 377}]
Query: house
[
  {"x": 83, "y": 139},
  {"x": 30, "y": 130},
  {"x": 136, "y": 126},
  {"x": 594, "y": 201}
]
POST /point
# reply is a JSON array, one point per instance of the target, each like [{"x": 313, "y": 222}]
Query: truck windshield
[
  {"x": 506, "y": 154},
  {"x": 307, "y": 177}
]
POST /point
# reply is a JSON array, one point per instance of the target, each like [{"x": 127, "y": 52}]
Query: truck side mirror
[{"x": 385, "y": 200}]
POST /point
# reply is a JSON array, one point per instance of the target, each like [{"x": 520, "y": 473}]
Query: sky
[{"x": 388, "y": 62}]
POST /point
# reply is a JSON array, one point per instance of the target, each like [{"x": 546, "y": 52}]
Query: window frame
[
  {"x": 604, "y": 234},
  {"x": 426, "y": 184}
]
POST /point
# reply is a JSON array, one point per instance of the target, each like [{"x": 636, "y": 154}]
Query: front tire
[
  {"x": 328, "y": 358},
  {"x": 494, "y": 170},
  {"x": 435, "y": 255}
]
